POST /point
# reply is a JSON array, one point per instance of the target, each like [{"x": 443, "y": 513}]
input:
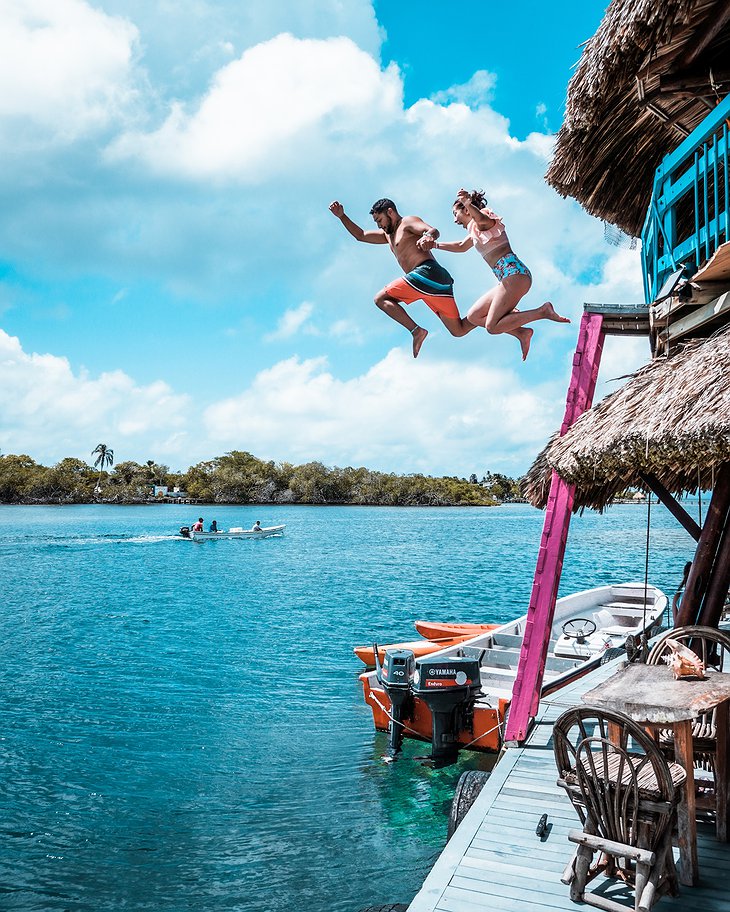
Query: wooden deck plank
[
  {"x": 488, "y": 861},
  {"x": 496, "y": 863}
]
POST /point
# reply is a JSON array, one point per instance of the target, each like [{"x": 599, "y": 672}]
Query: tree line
[{"x": 238, "y": 478}]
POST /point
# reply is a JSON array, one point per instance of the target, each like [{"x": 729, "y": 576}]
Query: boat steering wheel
[{"x": 579, "y": 628}]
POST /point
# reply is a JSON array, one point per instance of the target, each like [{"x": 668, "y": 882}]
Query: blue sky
[{"x": 172, "y": 283}]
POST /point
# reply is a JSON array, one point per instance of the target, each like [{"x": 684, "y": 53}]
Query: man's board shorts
[
  {"x": 509, "y": 265},
  {"x": 429, "y": 282}
]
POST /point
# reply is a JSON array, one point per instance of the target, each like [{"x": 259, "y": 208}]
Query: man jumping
[{"x": 424, "y": 279}]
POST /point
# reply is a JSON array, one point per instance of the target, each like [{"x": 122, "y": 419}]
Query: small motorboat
[
  {"x": 235, "y": 532},
  {"x": 433, "y": 630},
  {"x": 459, "y": 695},
  {"x": 366, "y": 654}
]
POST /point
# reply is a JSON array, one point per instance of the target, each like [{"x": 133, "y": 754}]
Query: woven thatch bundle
[
  {"x": 671, "y": 419},
  {"x": 611, "y": 140}
]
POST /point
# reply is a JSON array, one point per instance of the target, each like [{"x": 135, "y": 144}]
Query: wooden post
[
  {"x": 531, "y": 668},
  {"x": 687, "y": 810},
  {"x": 699, "y": 575},
  {"x": 719, "y": 584}
]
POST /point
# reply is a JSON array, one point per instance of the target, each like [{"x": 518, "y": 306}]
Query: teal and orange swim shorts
[{"x": 428, "y": 282}]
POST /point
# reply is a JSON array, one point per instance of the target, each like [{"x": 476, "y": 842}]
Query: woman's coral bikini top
[{"x": 486, "y": 241}]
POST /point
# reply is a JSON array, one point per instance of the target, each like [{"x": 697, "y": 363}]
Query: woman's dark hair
[
  {"x": 382, "y": 205},
  {"x": 477, "y": 198}
]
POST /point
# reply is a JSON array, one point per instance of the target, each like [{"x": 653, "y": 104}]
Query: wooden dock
[{"x": 496, "y": 862}]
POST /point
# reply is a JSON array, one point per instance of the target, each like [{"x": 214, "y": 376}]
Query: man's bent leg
[{"x": 395, "y": 310}]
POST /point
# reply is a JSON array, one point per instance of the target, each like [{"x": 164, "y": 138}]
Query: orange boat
[
  {"x": 419, "y": 648},
  {"x": 441, "y": 697},
  {"x": 434, "y": 630}
]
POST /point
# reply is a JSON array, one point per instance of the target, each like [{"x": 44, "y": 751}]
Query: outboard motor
[
  {"x": 448, "y": 685},
  {"x": 396, "y": 675},
  {"x": 185, "y": 531}
]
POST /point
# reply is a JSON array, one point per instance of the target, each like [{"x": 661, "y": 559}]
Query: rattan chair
[
  {"x": 625, "y": 793},
  {"x": 713, "y": 647}
]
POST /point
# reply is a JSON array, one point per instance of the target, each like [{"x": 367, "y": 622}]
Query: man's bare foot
[
  {"x": 524, "y": 338},
  {"x": 548, "y": 313},
  {"x": 419, "y": 336}
]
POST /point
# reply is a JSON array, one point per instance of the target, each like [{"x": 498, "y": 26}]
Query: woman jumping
[{"x": 496, "y": 310}]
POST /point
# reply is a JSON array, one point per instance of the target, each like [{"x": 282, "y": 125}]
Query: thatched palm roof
[
  {"x": 671, "y": 419},
  {"x": 645, "y": 79}
]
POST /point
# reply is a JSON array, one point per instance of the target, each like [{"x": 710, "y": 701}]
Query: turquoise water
[{"x": 183, "y": 725}]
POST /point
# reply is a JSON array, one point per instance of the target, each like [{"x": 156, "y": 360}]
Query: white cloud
[
  {"x": 475, "y": 93},
  {"x": 431, "y": 415},
  {"x": 49, "y": 411},
  {"x": 291, "y": 322},
  {"x": 282, "y": 100},
  {"x": 64, "y": 66}
]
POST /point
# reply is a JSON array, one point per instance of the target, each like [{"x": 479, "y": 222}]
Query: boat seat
[
  {"x": 632, "y": 593},
  {"x": 617, "y": 623},
  {"x": 501, "y": 656},
  {"x": 623, "y": 608},
  {"x": 507, "y": 639}
]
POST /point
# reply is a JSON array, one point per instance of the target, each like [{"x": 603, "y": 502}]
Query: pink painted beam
[{"x": 531, "y": 668}]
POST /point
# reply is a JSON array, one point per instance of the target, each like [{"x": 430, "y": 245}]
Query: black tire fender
[
  {"x": 468, "y": 788},
  {"x": 613, "y": 653}
]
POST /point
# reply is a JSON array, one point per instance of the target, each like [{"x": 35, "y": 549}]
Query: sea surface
[{"x": 183, "y": 725}]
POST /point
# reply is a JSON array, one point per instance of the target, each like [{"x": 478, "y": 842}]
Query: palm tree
[{"x": 104, "y": 458}]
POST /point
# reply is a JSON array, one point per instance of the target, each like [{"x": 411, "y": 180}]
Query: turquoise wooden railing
[{"x": 688, "y": 215}]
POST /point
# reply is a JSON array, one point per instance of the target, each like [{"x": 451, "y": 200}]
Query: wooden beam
[
  {"x": 704, "y": 292},
  {"x": 670, "y": 305},
  {"x": 696, "y": 319},
  {"x": 719, "y": 583},
  {"x": 686, "y": 294},
  {"x": 681, "y": 82},
  {"x": 704, "y": 559},
  {"x": 714, "y": 24},
  {"x": 673, "y": 505},
  {"x": 668, "y": 119}
]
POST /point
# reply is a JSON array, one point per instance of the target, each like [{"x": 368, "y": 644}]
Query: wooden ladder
[{"x": 531, "y": 668}]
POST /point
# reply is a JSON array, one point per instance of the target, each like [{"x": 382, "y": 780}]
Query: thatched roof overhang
[
  {"x": 671, "y": 420},
  {"x": 645, "y": 80}
]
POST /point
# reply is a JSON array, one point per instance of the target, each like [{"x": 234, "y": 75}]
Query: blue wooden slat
[{"x": 702, "y": 157}]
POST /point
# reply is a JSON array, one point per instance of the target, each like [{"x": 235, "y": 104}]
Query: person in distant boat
[
  {"x": 198, "y": 526},
  {"x": 256, "y": 527},
  {"x": 424, "y": 279},
  {"x": 213, "y": 526},
  {"x": 496, "y": 310}
]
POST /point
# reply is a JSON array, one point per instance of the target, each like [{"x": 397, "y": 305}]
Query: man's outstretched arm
[{"x": 367, "y": 237}]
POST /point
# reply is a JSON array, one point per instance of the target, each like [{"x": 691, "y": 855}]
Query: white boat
[
  {"x": 586, "y": 626},
  {"x": 235, "y": 532}
]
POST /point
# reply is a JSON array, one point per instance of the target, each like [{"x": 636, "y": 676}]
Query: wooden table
[{"x": 649, "y": 695}]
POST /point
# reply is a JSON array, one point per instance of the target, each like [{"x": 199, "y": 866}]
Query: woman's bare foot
[
  {"x": 419, "y": 335},
  {"x": 548, "y": 313},
  {"x": 524, "y": 337}
]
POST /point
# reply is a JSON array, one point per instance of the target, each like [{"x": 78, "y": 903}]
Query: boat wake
[{"x": 83, "y": 541}]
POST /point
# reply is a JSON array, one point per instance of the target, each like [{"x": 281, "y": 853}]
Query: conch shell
[{"x": 683, "y": 662}]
